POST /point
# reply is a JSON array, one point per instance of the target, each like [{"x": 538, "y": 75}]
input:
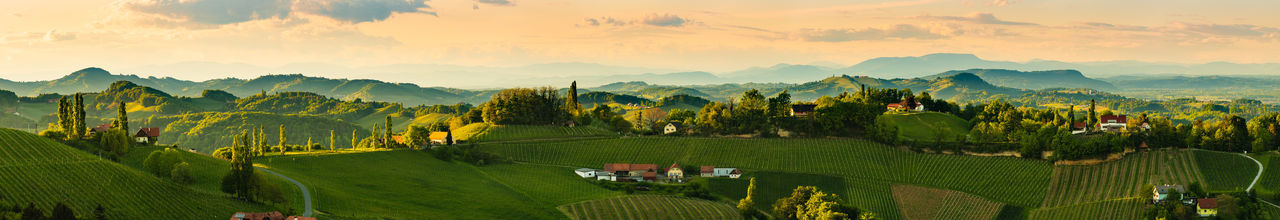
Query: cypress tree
[
  {"x": 333, "y": 137},
  {"x": 571, "y": 100},
  {"x": 282, "y": 138},
  {"x": 386, "y": 139},
  {"x": 374, "y": 135},
  {"x": 308, "y": 147},
  {"x": 62, "y": 212},
  {"x": 1093, "y": 117},
  {"x": 122, "y": 117},
  {"x": 78, "y": 112},
  {"x": 64, "y": 115},
  {"x": 1071, "y": 116},
  {"x": 354, "y": 139}
]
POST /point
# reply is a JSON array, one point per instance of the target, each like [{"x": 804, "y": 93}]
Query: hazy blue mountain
[
  {"x": 1034, "y": 79},
  {"x": 784, "y": 73},
  {"x": 910, "y": 67}
]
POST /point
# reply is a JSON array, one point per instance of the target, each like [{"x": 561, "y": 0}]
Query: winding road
[
  {"x": 1255, "y": 178},
  {"x": 306, "y": 195}
]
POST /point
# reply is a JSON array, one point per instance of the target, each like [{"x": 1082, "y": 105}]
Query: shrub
[{"x": 181, "y": 173}]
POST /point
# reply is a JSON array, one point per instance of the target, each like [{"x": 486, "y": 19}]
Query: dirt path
[{"x": 306, "y": 195}]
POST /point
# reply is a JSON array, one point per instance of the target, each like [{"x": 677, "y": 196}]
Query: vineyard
[
  {"x": 487, "y": 132},
  {"x": 1226, "y": 171},
  {"x": 63, "y": 174},
  {"x": 650, "y": 207},
  {"x": 1130, "y": 208},
  {"x": 1016, "y": 181},
  {"x": 207, "y": 172},
  {"x": 928, "y": 203},
  {"x": 1122, "y": 178},
  {"x": 923, "y": 126},
  {"x": 404, "y": 184}
]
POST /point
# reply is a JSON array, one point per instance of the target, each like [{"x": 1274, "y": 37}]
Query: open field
[
  {"x": 1130, "y": 208},
  {"x": 1121, "y": 178},
  {"x": 1015, "y": 181},
  {"x": 405, "y": 184},
  {"x": 1226, "y": 171},
  {"x": 487, "y": 132},
  {"x": 207, "y": 173},
  {"x": 929, "y": 203},
  {"x": 650, "y": 207},
  {"x": 64, "y": 174},
  {"x": 924, "y": 126}
]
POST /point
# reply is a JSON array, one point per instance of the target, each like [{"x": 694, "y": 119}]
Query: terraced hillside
[
  {"x": 35, "y": 169},
  {"x": 649, "y": 207},
  {"x": 405, "y": 184},
  {"x": 488, "y": 132},
  {"x": 1123, "y": 178},
  {"x": 928, "y": 203},
  {"x": 1130, "y": 208},
  {"x": 1014, "y": 181}
]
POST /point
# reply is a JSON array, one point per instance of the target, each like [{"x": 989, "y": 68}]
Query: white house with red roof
[{"x": 1113, "y": 123}]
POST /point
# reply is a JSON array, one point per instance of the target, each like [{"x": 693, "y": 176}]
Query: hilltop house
[
  {"x": 905, "y": 106},
  {"x": 798, "y": 110},
  {"x": 441, "y": 138},
  {"x": 1166, "y": 192},
  {"x": 672, "y": 127},
  {"x": 1113, "y": 123},
  {"x": 711, "y": 171},
  {"x": 100, "y": 128},
  {"x": 1207, "y": 207},
  {"x": 147, "y": 135},
  {"x": 674, "y": 173},
  {"x": 1079, "y": 128}
]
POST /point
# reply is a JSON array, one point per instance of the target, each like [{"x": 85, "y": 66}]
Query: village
[{"x": 623, "y": 172}]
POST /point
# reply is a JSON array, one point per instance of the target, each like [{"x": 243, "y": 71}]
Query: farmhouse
[
  {"x": 1112, "y": 123},
  {"x": 602, "y": 175},
  {"x": 1164, "y": 192},
  {"x": 672, "y": 127},
  {"x": 1207, "y": 207},
  {"x": 905, "y": 106},
  {"x": 100, "y": 128},
  {"x": 585, "y": 172},
  {"x": 674, "y": 173},
  {"x": 147, "y": 135},
  {"x": 441, "y": 138},
  {"x": 798, "y": 110},
  {"x": 630, "y": 172},
  {"x": 1079, "y": 128},
  {"x": 711, "y": 171}
]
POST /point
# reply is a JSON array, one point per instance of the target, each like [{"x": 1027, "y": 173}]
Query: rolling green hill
[
  {"x": 35, "y": 169},
  {"x": 1034, "y": 79},
  {"x": 208, "y": 131},
  {"x": 926, "y": 126},
  {"x": 1123, "y": 178},
  {"x": 489, "y": 132}
]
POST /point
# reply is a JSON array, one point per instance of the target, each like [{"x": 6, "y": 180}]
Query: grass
[
  {"x": 488, "y": 132},
  {"x": 1130, "y": 208},
  {"x": 925, "y": 126},
  {"x": 207, "y": 173},
  {"x": 650, "y": 207},
  {"x": 38, "y": 170},
  {"x": 1270, "y": 182},
  {"x": 928, "y": 203},
  {"x": 1226, "y": 171},
  {"x": 405, "y": 184},
  {"x": 1010, "y": 180},
  {"x": 1122, "y": 178}
]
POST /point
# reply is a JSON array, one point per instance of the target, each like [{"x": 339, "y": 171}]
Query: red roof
[
  {"x": 1118, "y": 118},
  {"x": 102, "y": 127},
  {"x": 148, "y": 132},
  {"x": 644, "y": 167},
  {"x": 673, "y": 166},
  {"x": 1079, "y": 125},
  {"x": 398, "y": 138},
  {"x": 708, "y": 169},
  {"x": 1207, "y": 203},
  {"x": 613, "y": 167},
  {"x": 736, "y": 171},
  {"x": 895, "y": 105}
]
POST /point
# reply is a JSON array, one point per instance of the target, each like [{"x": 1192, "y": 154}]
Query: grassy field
[
  {"x": 1015, "y": 181},
  {"x": 929, "y": 203},
  {"x": 1108, "y": 209},
  {"x": 207, "y": 172},
  {"x": 407, "y": 184},
  {"x": 649, "y": 207},
  {"x": 1122, "y": 178},
  {"x": 487, "y": 132},
  {"x": 35, "y": 169},
  {"x": 923, "y": 126},
  {"x": 1226, "y": 171}
]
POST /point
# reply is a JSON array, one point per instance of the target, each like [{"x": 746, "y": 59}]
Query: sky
[{"x": 47, "y": 39}]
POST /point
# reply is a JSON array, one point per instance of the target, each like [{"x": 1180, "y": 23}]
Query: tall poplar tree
[
  {"x": 122, "y": 117},
  {"x": 282, "y": 138},
  {"x": 78, "y": 112},
  {"x": 374, "y": 135},
  {"x": 1093, "y": 116},
  {"x": 355, "y": 139},
  {"x": 386, "y": 139},
  {"x": 64, "y": 115},
  {"x": 333, "y": 137},
  {"x": 1071, "y": 117},
  {"x": 571, "y": 100}
]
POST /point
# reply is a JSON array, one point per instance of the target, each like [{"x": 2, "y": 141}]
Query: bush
[
  {"x": 161, "y": 162},
  {"x": 181, "y": 173}
]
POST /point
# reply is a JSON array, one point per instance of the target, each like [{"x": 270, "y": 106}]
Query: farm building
[
  {"x": 802, "y": 109},
  {"x": 441, "y": 138},
  {"x": 1079, "y": 128},
  {"x": 1113, "y": 123},
  {"x": 711, "y": 171},
  {"x": 672, "y": 127},
  {"x": 625, "y": 169},
  {"x": 585, "y": 172},
  {"x": 674, "y": 173},
  {"x": 601, "y": 175},
  {"x": 147, "y": 135},
  {"x": 1207, "y": 207},
  {"x": 905, "y": 106},
  {"x": 1165, "y": 192},
  {"x": 100, "y": 128}
]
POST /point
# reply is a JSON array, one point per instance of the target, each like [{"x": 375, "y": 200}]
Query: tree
[
  {"x": 748, "y": 203},
  {"x": 32, "y": 213},
  {"x": 240, "y": 181},
  {"x": 1093, "y": 116},
  {"x": 77, "y": 126},
  {"x": 62, "y": 212},
  {"x": 309, "y": 144},
  {"x": 355, "y": 139},
  {"x": 822, "y": 206},
  {"x": 1228, "y": 206},
  {"x": 333, "y": 138},
  {"x": 525, "y": 106},
  {"x": 416, "y": 135},
  {"x": 386, "y": 138},
  {"x": 282, "y": 138},
  {"x": 571, "y": 100},
  {"x": 122, "y": 117},
  {"x": 115, "y": 141},
  {"x": 64, "y": 115},
  {"x": 788, "y": 207},
  {"x": 161, "y": 162},
  {"x": 181, "y": 173},
  {"x": 1071, "y": 117}
]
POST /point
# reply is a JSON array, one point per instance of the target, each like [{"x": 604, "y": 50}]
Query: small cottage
[
  {"x": 586, "y": 172},
  {"x": 1079, "y": 128},
  {"x": 1207, "y": 207},
  {"x": 100, "y": 128},
  {"x": 147, "y": 135},
  {"x": 1113, "y": 123},
  {"x": 674, "y": 173},
  {"x": 672, "y": 127},
  {"x": 727, "y": 172},
  {"x": 1167, "y": 192},
  {"x": 441, "y": 138},
  {"x": 707, "y": 171}
]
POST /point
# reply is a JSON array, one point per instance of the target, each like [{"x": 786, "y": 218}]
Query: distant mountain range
[{"x": 1034, "y": 79}]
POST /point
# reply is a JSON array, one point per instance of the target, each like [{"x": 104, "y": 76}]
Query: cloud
[
  {"x": 666, "y": 20},
  {"x": 1002, "y": 3},
  {"x": 1240, "y": 30},
  {"x": 977, "y": 17},
  {"x": 900, "y": 31},
  {"x": 37, "y": 37},
  {"x": 660, "y": 20},
  {"x": 215, "y": 13},
  {"x": 362, "y": 10}
]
